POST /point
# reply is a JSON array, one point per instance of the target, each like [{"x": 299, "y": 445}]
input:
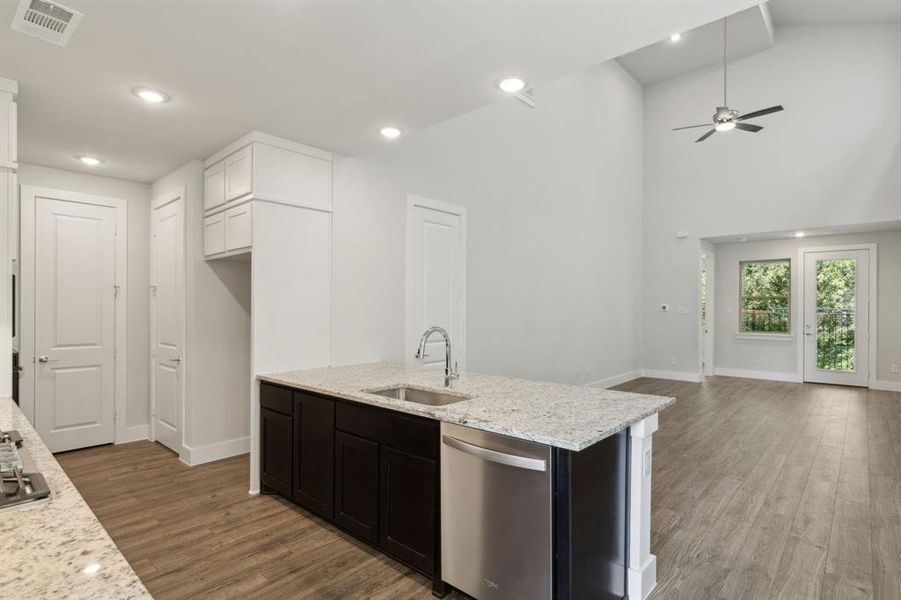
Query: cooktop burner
[{"x": 19, "y": 483}]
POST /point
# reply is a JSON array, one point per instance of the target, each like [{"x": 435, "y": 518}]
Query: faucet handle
[{"x": 455, "y": 374}]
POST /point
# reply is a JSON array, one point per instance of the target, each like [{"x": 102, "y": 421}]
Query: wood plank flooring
[
  {"x": 761, "y": 490},
  {"x": 776, "y": 490}
]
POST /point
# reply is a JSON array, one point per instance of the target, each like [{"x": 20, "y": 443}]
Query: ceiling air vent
[{"x": 46, "y": 20}]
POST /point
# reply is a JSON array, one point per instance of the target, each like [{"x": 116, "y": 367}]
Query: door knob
[
  {"x": 46, "y": 359},
  {"x": 177, "y": 359}
]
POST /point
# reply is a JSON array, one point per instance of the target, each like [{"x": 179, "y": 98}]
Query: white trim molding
[
  {"x": 677, "y": 375},
  {"x": 642, "y": 565},
  {"x": 886, "y": 386},
  {"x": 198, "y": 455},
  {"x": 135, "y": 433},
  {"x": 615, "y": 379},
  {"x": 751, "y": 374}
]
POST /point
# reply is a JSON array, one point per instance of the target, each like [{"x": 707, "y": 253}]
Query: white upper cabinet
[
  {"x": 214, "y": 186},
  {"x": 239, "y": 174},
  {"x": 259, "y": 167}
]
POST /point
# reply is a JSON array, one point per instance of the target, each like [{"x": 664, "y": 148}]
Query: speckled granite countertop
[
  {"x": 566, "y": 416},
  {"x": 58, "y": 549}
]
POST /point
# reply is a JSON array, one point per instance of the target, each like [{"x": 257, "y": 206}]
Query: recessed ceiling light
[
  {"x": 799, "y": 234},
  {"x": 390, "y": 133},
  {"x": 91, "y": 161},
  {"x": 675, "y": 37},
  {"x": 511, "y": 85},
  {"x": 150, "y": 96}
]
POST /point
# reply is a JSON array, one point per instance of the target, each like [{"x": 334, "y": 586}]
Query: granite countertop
[
  {"x": 566, "y": 416},
  {"x": 57, "y": 548}
]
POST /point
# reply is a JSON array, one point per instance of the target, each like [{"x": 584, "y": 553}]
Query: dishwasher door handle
[{"x": 511, "y": 460}]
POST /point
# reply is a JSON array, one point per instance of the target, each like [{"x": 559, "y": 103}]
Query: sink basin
[{"x": 419, "y": 396}]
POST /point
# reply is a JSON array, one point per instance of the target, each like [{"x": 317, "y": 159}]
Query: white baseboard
[
  {"x": 750, "y": 374},
  {"x": 888, "y": 386},
  {"x": 677, "y": 375},
  {"x": 643, "y": 580},
  {"x": 615, "y": 380},
  {"x": 210, "y": 452},
  {"x": 134, "y": 433}
]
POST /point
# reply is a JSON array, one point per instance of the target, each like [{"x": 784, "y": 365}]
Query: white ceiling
[
  {"x": 824, "y": 12},
  {"x": 750, "y": 31},
  {"x": 327, "y": 74}
]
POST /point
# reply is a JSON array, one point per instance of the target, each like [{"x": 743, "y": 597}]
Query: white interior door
[
  {"x": 436, "y": 279},
  {"x": 74, "y": 323},
  {"x": 836, "y": 317},
  {"x": 167, "y": 305}
]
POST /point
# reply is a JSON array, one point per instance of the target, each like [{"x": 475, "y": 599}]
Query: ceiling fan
[{"x": 726, "y": 119}]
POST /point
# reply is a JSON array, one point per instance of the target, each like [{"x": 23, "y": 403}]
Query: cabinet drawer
[
  {"x": 239, "y": 227},
  {"x": 415, "y": 435},
  {"x": 214, "y": 186},
  {"x": 239, "y": 173},
  {"x": 276, "y": 398},
  {"x": 214, "y": 235}
]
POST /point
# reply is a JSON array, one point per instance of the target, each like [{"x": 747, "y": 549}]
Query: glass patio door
[{"x": 836, "y": 317}]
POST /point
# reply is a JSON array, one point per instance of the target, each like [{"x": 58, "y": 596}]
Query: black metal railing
[
  {"x": 764, "y": 321},
  {"x": 835, "y": 339}
]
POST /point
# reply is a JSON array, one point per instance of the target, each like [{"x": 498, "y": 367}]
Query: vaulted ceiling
[{"x": 327, "y": 74}]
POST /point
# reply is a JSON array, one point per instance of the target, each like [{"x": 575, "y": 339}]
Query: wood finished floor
[{"x": 761, "y": 490}]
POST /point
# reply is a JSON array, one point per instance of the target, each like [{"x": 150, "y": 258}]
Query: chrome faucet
[{"x": 449, "y": 374}]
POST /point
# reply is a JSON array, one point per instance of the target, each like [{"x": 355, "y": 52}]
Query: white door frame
[
  {"x": 873, "y": 311},
  {"x": 459, "y": 345},
  {"x": 707, "y": 346},
  {"x": 28, "y": 195},
  {"x": 159, "y": 202}
]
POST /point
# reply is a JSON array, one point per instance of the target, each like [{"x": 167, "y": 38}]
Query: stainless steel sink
[{"x": 419, "y": 396}]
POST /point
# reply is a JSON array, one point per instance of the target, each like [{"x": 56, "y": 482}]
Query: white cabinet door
[
  {"x": 238, "y": 227},
  {"x": 292, "y": 177},
  {"x": 214, "y": 186},
  {"x": 239, "y": 173},
  {"x": 214, "y": 234},
  {"x": 8, "y": 135}
]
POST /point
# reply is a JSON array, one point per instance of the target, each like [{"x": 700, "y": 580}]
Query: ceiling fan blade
[
  {"x": 760, "y": 113},
  {"x": 705, "y": 136},
  {"x": 748, "y": 127},
  {"x": 691, "y": 126}
]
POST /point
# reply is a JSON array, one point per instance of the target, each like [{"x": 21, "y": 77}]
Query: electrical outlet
[
  {"x": 674, "y": 361},
  {"x": 894, "y": 369}
]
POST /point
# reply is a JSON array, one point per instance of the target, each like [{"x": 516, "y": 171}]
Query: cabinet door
[
  {"x": 408, "y": 508},
  {"x": 239, "y": 173},
  {"x": 214, "y": 235},
  {"x": 214, "y": 186},
  {"x": 314, "y": 453},
  {"x": 276, "y": 441},
  {"x": 239, "y": 227},
  {"x": 357, "y": 485}
]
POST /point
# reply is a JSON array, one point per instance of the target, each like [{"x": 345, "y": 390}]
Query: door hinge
[
  {"x": 116, "y": 290},
  {"x": 153, "y": 290}
]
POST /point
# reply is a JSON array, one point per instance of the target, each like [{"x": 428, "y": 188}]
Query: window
[{"x": 765, "y": 296}]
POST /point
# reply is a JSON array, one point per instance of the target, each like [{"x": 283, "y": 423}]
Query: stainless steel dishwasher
[{"x": 496, "y": 513}]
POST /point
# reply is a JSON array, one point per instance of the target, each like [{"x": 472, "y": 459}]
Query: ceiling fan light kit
[{"x": 725, "y": 118}]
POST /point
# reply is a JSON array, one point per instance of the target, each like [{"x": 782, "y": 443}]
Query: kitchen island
[
  {"x": 335, "y": 441},
  {"x": 57, "y": 548}
]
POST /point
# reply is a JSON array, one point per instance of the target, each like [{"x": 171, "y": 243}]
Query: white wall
[
  {"x": 217, "y": 320},
  {"x": 833, "y": 157},
  {"x": 554, "y": 228},
  {"x": 137, "y": 196},
  {"x": 780, "y": 357}
]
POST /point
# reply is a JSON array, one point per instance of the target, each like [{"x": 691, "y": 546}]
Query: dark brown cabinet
[
  {"x": 357, "y": 485},
  {"x": 408, "y": 508},
  {"x": 314, "y": 453},
  {"x": 276, "y": 445},
  {"x": 372, "y": 472}
]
